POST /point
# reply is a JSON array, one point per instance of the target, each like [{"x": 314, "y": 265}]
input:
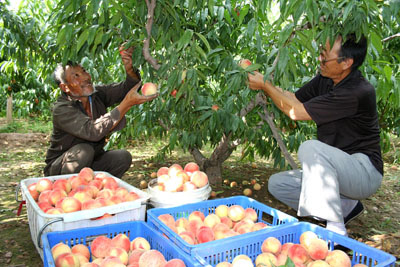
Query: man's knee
[
  {"x": 308, "y": 148},
  {"x": 78, "y": 157},
  {"x": 274, "y": 184}
]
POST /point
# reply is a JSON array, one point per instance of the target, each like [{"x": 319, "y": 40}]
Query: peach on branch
[
  {"x": 149, "y": 89},
  {"x": 215, "y": 107},
  {"x": 244, "y": 63},
  {"x": 174, "y": 92}
]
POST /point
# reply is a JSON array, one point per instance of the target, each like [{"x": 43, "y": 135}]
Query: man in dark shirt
[
  {"x": 344, "y": 165},
  {"x": 81, "y": 121}
]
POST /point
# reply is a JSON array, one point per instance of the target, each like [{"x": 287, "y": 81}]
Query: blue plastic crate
[
  {"x": 250, "y": 245},
  {"x": 132, "y": 229},
  {"x": 268, "y": 215}
]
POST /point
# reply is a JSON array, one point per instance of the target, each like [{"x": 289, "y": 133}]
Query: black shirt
[{"x": 345, "y": 114}]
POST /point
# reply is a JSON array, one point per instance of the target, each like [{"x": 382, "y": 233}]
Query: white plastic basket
[
  {"x": 161, "y": 199},
  {"x": 40, "y": 222}
]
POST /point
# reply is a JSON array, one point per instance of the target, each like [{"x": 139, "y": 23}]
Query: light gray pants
[{"x": 328, "y": 174}]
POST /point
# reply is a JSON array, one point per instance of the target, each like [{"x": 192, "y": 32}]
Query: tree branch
[
  {"x": 150, "y": 16},
  {"x": 391, "y": 37},
  {"x": 198, "y": 157}
]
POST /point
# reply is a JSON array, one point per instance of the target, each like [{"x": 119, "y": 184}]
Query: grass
[{"x": 27, "y": 126}]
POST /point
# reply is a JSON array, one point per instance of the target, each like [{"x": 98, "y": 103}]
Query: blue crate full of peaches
[{"x": 192, "y": 225}]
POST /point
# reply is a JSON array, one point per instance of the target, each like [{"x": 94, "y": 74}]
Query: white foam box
[{"x": 41, "y": 223}]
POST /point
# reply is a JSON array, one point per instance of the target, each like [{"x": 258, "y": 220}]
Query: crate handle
[
  {"x": 201, "y": 260},
  {"x": 39, "y": 237},
  {"x": 17, "y": 193}
]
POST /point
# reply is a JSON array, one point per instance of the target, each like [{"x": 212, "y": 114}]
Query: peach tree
[{"x": 191, "y": 50}]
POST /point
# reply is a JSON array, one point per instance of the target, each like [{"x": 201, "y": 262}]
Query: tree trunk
[
  {"x": 213, "y": 169},
  {"x": 9, "y": 109}
]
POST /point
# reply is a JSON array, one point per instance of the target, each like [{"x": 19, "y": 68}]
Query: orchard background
[{"x": 191, "y": 49}]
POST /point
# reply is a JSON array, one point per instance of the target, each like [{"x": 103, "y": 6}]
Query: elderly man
[
  {"x": 81, "y": 121},
  {"x": 344, "y": 165}
]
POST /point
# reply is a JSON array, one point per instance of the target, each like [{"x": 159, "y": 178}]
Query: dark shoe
[{"x": 357, "y": 211}]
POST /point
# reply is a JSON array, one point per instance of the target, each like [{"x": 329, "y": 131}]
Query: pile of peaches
[
  {"x": 225, "y": 222},
  {"x": 83, "y": 191},
  {"x": 176, "y": 178},
  {"x": 118, "y": 251},
  {"x": 311, "y": 252}
]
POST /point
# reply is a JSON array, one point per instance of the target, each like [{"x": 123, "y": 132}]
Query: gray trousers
[
  {"x": 115, "y": 162},
  {"x": 328, "y": 175}
]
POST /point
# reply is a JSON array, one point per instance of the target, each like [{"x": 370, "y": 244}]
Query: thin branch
[
  {"x": 150, "y": 16},
  {"x": 391, "y": 37}
]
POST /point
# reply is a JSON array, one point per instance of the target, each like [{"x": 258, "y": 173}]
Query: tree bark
[{"x": 9, "y": 109}]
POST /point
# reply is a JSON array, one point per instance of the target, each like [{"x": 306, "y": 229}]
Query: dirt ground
[{"x": 22, "y": 156}]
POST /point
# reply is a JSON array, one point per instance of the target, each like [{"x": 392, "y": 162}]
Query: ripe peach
[
  {"x": 82, "y": 196},
  {"x": 242, "y": 261},
  {"x": 306, "y": 237},
  {"x": 251, "y": 214},
  {"x": 70, "y": 204},
  {"x": 56, "y": 195},
  {"x": 45, "y": 196},
  {"x": 119, "y": 253},
  {"x": 281, "y": 259},
  {"x": 149, "y": 89},
  {"x": 256, "y": 186},
  {"x": 258, "y": 226},
  {"x": 43, "y": 185},
  {"x": 54, "y": 211},
  {"x": 174, "y": 92},
  {"x": 110, "y": 183},
  {"x": 286, "y": 247},
  {"x": 131, "y": 196},
  {"x": 32, "y": 190},
  {"x": 317, "y": 249},
  {"x": 162, "y": 179},
  {"x": 140, "y": 243},
  {"x": 320, "y": 263},
  {"x": 81, "y": 258},
  {"x": 224, "y": 264},
  {"x": 174, "y": 184},
  {"x": 196, "y": 215},
  {"x": 121, "y": 241},
  {"x": 204, "y": 234},
  {"x": 336, "y": 258},
  {"x": 121, "y": 192},
  {"x": 227, "y": 221},
  {"x": 67, "y": 260},
  {"x": 105, "y": 193},
  {"x": 215, "y": 107},
  {"x": 189, "y": 186},
  {"x": 220, "y": 227},
  {"x": 100, "y": 246},
  {"x": 58, "y": 249},
  {"x": 236, "y": 213},
  {"x": 162, "y": 171},
  {"x": 93, "y": 190},
  {"x": 194, "y": 225},
  {"x": 188, "y": 237},
  {"x": 90, "y": 264},
  {"x": 115, "y": 200},
  {"x": 152, "y": 258},
  {"x": 97, "y": 183},
  {"x": 182, "y": 222},
  {"x": 81, "y": 249},
  {"x": 222, "y": 211},
  {"x": 243, "y": 226},
  {"x": 167, "y": 219},
  {"x": 298, "y": 254},
  {"x": 247, "y": 192},
  {"x": 76, "y": 181},
  {"x": 112, "y": 261},
  {"x": 266, "y": 259},
  {"x": 360, "y": 265},
  {"x": 244, "y": 63},
  {"x": 175, "y": 263},
  {"x": 199, "y": 178},
  {"x": 44, "y": 206},
  {"x": 134, "y": 256},
  {"x": 271, "y": 244},
  {"x": 86, "y": 174},
  {"x": 173, "y": 169},
  {"x": 183, "y": 175},
  {"x": 191, "y": 167},
  {"x": 211, "y": 219}
]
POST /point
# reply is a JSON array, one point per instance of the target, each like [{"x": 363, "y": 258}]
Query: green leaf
[
  {"x": 82, "y": 39},
  {"x": 388, "y": 72},
  {"x": 203, "y": 38},
  {"x": 376, "y": 42},
  {"x": 184, "y": 40}
]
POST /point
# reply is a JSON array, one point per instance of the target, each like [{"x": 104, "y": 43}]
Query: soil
[{"x": 22, "y": 156}]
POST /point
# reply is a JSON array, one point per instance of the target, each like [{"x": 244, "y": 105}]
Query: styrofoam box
[
  {"x": 131, "y": 229},
  {"x": 40, "y": 222},
  {"x": 210, "y": 254}
]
